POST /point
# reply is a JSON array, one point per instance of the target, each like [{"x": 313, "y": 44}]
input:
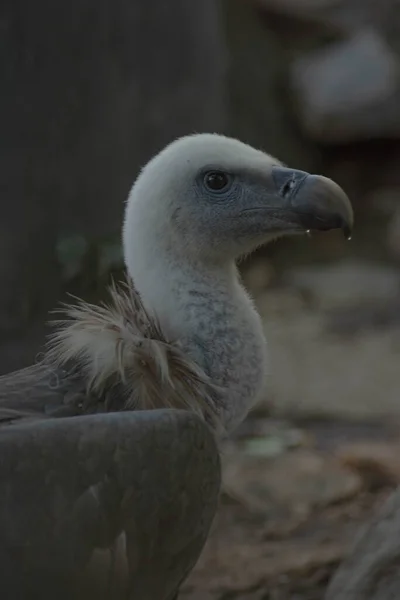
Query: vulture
[{"x": 110, "y": 469}]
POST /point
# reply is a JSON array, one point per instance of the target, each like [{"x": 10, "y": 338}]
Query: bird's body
[{"x": 182, "y": 332}]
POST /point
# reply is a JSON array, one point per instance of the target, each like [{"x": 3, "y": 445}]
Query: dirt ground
[
  {"x": 314, "y": 461},
  {"x": 294, "y": 497}
]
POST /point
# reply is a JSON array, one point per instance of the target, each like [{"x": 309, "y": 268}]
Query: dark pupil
[{"x": 216, "y": 181}]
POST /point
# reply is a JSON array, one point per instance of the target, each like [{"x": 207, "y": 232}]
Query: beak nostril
[
  {"x": 288, "y": 187},
  {"x": 287, "y": 181}
]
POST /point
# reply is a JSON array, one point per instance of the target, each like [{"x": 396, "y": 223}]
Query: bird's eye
[{"x": 216, "y": 181}]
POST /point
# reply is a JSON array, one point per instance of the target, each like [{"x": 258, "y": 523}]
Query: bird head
[{"x": 216, "y": 198}]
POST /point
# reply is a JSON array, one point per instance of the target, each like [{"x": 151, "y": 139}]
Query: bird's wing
[
  {"x": 115, "y": 505},
  {"x": 42, "y": 391}
]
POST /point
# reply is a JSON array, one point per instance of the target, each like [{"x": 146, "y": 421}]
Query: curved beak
[{"x": 313, "y": 201}]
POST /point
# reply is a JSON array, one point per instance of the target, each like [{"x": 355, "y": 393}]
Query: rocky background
[
  {"x": 317, "y": 83},
  {"x": 90, "y": 91}
]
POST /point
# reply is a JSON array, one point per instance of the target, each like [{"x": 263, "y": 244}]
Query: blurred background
[{"x": 90, "y": 91}]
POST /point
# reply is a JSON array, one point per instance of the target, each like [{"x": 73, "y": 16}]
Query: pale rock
[
  {"x": 346, "y": 283},
  {"x": 349, "y": 91},
  {"x": 313, "y": 373}
]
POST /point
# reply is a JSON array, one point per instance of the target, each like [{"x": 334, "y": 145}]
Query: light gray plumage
[{"x": 183, "y": 333}]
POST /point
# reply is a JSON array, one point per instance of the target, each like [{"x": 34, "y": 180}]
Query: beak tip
[
  {"x": 347, "y": 232},
  {"x": 332, "y": 204}
]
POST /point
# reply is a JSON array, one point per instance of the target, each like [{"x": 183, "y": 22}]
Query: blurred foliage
[
  {"x": 71, "y": 252},
  {"x": 89, "y": 264}
]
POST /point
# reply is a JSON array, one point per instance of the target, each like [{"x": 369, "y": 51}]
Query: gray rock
[
  {"x": 371, "y": 572},
  {"x": 346, "y": 283},
  {"x": 349, "y": 91}
]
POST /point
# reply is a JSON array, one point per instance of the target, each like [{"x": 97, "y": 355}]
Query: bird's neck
[{"x": 206, "y": 308}]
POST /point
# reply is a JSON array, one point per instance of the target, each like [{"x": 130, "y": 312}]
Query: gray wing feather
[{"x": 115, "y": 505}]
